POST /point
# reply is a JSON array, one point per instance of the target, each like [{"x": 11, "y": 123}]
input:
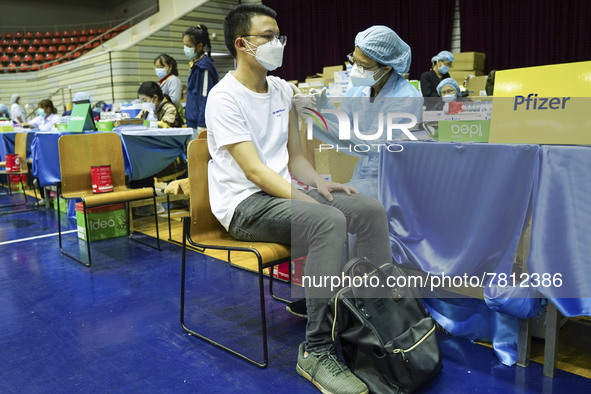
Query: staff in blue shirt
[{"x": 202, "y": 75}]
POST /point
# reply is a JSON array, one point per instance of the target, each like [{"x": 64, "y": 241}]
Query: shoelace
[{"x": 332, "y": 363}]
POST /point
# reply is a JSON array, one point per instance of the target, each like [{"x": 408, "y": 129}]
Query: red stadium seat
[
  {"x": 101, "y": 30},
  {"x": 17, "y": 59},
  {"x": 58, "y": 56},
  {"x": 107, "y": 36},
  {"x": 90, "y": 38},
  {"x": 92, "y": 31},
  {"x": 42, "y": 50},
  {"x": 28, "y": 59},
  {"x": 55, "y": 41},
  {"x": 46, "y": 41},
  {"x": 56, "y": 64},
  {"x": 32, "y": 50},
  {"x": 14, "y": 42},
  {"x": 7, "y": 36},
  {"x": 88, "y": 46},
  {"x": 95, "y": 44},
  {"x": 57, "y": 34},
  {"x": 23, "y": 68},
  {"x": 114, "y": 34},
  {"x": 38, "y": 35},
  {"x": 37, "y": 42},
  {"x": 52, "y": 49},
  {"x": 29, "y": 34},
  {"x": 18, "y": 34},
  {"x": 49, "y": 57},
  {"x": 84, "y": 51},
  {"x": 71, "y": 48},
  {"x": 35, "y": 67},
  {"x": 75, "y": 33},
  {"x": 73, "y": 40},
  {"x": 5, "y": 59},
  {"x": 77, "y": 54},
  {"x": 4, "y": 43},
  {"x": 11, "y": 68},
  {"x": 84, "y": 32},
  {"x": 46, "y": 65},
  {"x": 83, "y": 39},
  {"x": 38, "y": 58},
  {"x": 64, "y": 40},
  {"x": 48, "y": 34},
  {"x": 124, "y": 27},
  {"x": 25, "y": 42},
  {"x": 9, "y": 50},
  {"x": 61, "y": 48},
  {"x": 66, "y": 33},
  {"x": 68, "y": 56},
  {"x": 1, "y": 68},
  {"x": 21, "y": 50}
]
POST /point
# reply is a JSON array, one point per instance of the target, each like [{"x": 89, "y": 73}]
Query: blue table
[
  {"x": 458, "y": 208},
  {"x": 7, "y": 142},
  {"x": 144, "y": 152}
]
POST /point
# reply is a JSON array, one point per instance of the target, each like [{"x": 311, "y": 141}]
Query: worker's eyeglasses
[
  {"x": 448, "y": 64},
  {"x": 353, "y": 62},
  {"x": 272, "y": 38}
]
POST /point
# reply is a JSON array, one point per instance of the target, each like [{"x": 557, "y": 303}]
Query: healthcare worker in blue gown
[{"x": 375, "y": 87}]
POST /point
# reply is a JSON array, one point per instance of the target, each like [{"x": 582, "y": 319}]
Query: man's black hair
[{"x": 239, "y": 20}]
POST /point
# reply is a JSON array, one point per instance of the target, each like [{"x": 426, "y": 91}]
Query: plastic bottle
[{"x": 152, "y": 120}]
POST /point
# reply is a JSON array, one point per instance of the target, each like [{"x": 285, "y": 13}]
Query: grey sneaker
[{"x": 328, "y": 373}]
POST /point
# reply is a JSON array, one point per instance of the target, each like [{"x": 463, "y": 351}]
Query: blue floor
[{"x": 114, "y": 327}]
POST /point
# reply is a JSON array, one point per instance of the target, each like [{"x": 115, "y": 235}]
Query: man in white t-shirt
[{"x": 254, "y": 143}]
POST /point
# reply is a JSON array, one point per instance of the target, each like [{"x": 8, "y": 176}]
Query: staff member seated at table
[
  {"x": 159, "y": 104},
  {"x": 46, "y": 118},
  {"x": 80, "y": 96},
  {"x": 449, "y": 90}
]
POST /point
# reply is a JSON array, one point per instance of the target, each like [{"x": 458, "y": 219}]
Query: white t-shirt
[
  {"x": 16, "y": 111},
  {"x": 43, "y": 124},
  {"x": 235, "y": 114}
]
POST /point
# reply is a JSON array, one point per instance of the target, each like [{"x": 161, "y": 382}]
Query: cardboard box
[
  {"x": 469, "y": 61},
  {"x": 297, "y": 270},
  {"x": 338, "y": 164},
  {"x": 105, "y": 222},
  {"x": 460, "y": 75},
  {"x": 342, "y": 76},
  {"x": 280, "y": 271},
  {"x": 105, "y": 125},
  {"x": 463, "y": 130},
  {"x": 328, "y": 72},
  {"x": 6, "y": 126},
  {"x": 476, "y": 86}
]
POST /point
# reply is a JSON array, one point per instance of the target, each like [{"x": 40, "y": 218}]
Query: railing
[{"x": 64, "y": 102}]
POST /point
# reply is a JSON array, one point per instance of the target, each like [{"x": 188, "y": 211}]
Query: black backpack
[{"x": 387, "y": 336}]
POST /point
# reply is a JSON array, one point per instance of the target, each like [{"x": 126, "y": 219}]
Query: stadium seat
[
  {"x": 57, "y": 34},
  {"x": 38, "y": 35},
  {"x": 66, "y": 33},
  {"x": 56, "y": 64},
  {"x": 107, "y": 36},
  {"x": 83, "y": 39},
  {"x": 92, "y": 32},
  {"x": 7, "y": 36},
  {"x": 64, "y": 61},
  {"x": 11, "y": 68},
  {"x": 29, "y": 34},
  {"x": 68, "y": 56},
  {"x": 55, "y": 41},
  {"x": 28, "y": 59},
  {"x": 35, "y": 67},
  {"x": 1, "y": 68},
  {"x": 4, "y": 43},
  {"x": 101, "y": 30},
  {"x": 31, "y": 49},
  {"x": 84, "y": 51},
  {"x": 124, "y": 27},
  {"x": 21, "y": 50},
  {"x": 46, "y": 65},
  {"x": 9, "y": 50},
  {"x": 49, "y": 57},
  {"x": 95, "y": 44},
  {"x": 52, "y": 49},
  {"x": 17, "y": 59},
  {"x": 23, "y": 68},
  {"x": 84, "y": 32},
  {"x": 58, "y": 56},
  {"x": 5, "y": 59},
  {"x": 18, "y": 34},
  {"x": 75, "y": 33},
  {"x": 25, "y": 42},
  {"x": 77, "y": 54},
  {"x": 61, "y": 48},
  {"x": 37, "y": 42},
  {"x": 114, "y": 34},
  {"x": 38, "y": 58},
  {"x": 42, "y": 50},
  {"x": 73, "y": 40},
  {"x": 15, "y": 43},
  {"x": 64, "y": 40},
  {"x": 46, "y": 42},
  {"x": 71, "y": 48},
  {"x": 48, "y": 34}
]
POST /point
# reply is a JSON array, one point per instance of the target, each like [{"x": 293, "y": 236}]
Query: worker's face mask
[
  {"x": 161, "y": 72},
  {"x": 189, "y": 52},
  {"x": 448, "y": 98},
  {"x": 149, "y": 106},
  {"x": 270, "y": 55},
  {"x": 443, "y": 69},
  {"x": 366, "y": 78},
  {"x": 40, "y": 112}
]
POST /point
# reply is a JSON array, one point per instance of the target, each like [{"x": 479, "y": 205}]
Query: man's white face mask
[{"x": 269, "y": 55}]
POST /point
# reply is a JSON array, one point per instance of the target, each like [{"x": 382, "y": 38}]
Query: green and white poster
[{"x": 80, "y": 119}]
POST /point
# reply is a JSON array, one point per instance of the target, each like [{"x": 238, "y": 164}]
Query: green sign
[
  {"x": 463, "y": 130},
  {"x": 102, "y": 225},
  {"x": 80, "y": 119}
]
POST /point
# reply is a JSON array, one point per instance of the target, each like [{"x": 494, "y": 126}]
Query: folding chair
[
  {"x": 203, "y": 230},
  {"x": 20, "y": 148},
  {"x": 77, "y": 153}
]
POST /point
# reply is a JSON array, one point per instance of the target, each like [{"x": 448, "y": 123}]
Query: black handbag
[{"x": 387, "y": 336}]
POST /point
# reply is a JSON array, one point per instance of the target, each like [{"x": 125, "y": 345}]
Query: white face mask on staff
[{"x": 359, "y": 78}]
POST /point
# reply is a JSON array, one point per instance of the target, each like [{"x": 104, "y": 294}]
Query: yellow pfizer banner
[{"x": 543, "y": 105}]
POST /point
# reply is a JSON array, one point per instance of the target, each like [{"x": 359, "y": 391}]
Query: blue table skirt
[
  {"x": 7, "y": 142},
  {"x": 144, "y": 155}
]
